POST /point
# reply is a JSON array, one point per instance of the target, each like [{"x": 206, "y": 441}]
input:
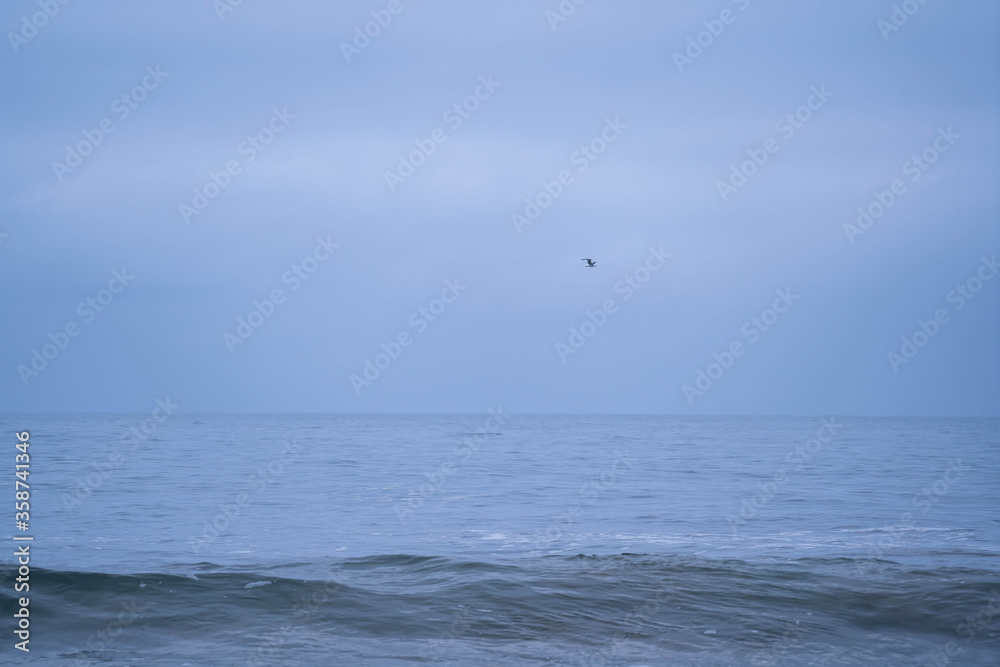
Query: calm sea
[{"x": 498, "y": 539}]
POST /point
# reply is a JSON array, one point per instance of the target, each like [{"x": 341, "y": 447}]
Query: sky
[{"x": 259, "y": 199}]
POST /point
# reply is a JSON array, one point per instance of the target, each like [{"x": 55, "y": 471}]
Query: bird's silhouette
[{"x": 590, "y": 263}]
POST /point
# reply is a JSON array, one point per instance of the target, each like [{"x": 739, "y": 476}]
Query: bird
[{"x": 590, "y": 263}]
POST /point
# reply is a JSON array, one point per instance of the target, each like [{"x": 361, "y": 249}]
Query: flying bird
[{"x": 590, "y": 263}]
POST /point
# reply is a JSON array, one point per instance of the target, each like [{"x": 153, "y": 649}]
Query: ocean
[{"x": 502, "y": 539}]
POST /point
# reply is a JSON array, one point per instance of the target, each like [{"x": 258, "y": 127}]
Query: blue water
[{"x": 557, "y": 540}]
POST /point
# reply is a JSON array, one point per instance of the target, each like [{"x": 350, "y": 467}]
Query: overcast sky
[{"x": 664, "y": 122}]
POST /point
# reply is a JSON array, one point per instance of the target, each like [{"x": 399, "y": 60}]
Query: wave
[{"x": 587, "y": 600}]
